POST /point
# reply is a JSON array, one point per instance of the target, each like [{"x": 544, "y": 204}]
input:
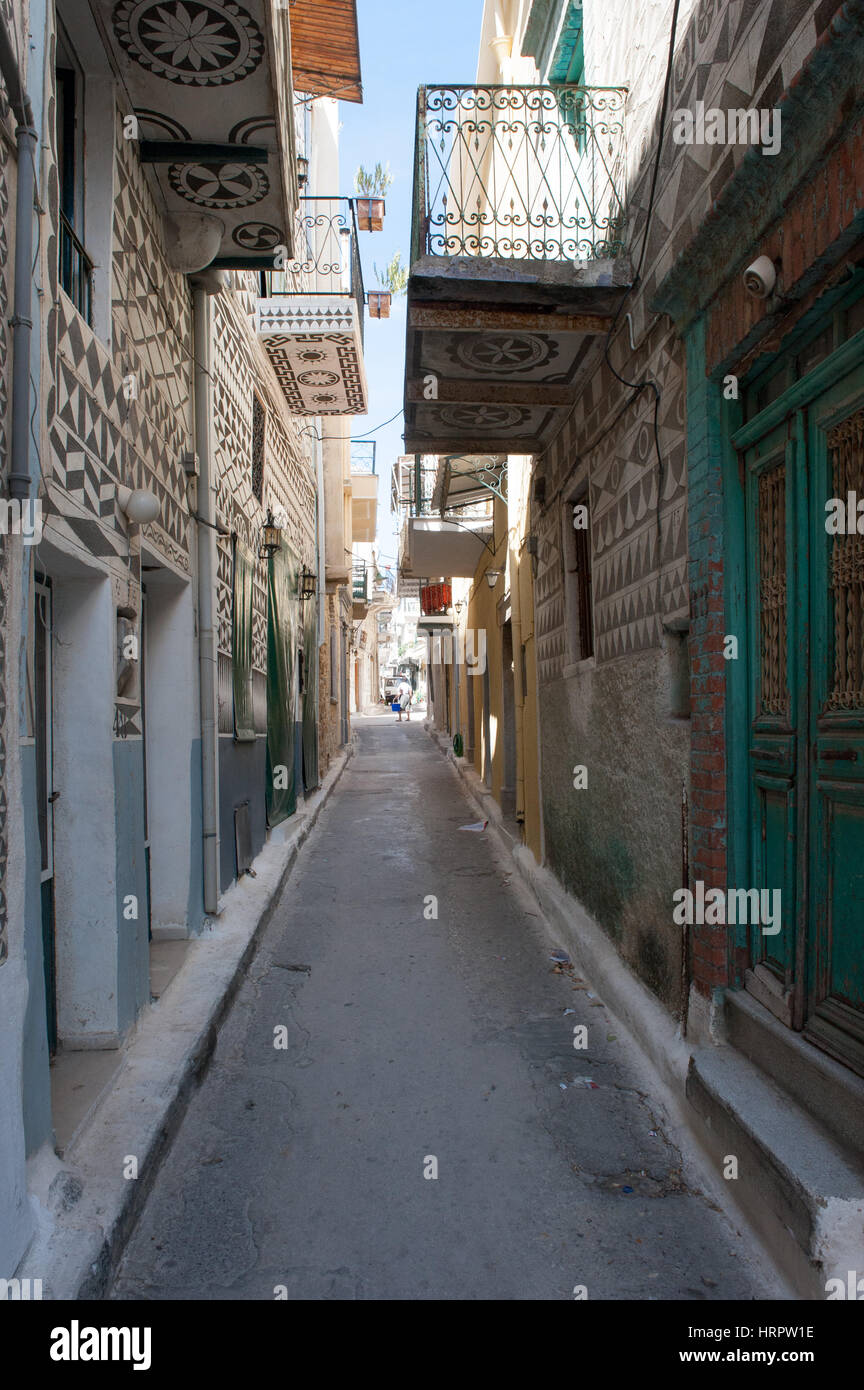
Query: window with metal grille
[
  {"x": 577, "y": 577},
  {"x": 259, "y": 430},
  {"x": 75, "y": 266}
]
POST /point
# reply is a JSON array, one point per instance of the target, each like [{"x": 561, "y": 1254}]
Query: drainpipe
[
  {"x": 320, "y": 587},
  {"x": 202, "y": 287},
  {"x": 519, "y": 705},
  {"x": 22, "y": 324}
]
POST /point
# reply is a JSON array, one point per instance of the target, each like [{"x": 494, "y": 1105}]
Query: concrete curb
[{"x": 84, "y": 1209}]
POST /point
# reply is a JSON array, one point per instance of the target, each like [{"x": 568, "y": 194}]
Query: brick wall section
[
  {"x": 823, "y": 209},
  {"x": 708, "y": 945}
]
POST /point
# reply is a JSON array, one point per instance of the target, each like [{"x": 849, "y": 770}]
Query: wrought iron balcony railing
[
  {"x": 328, "y": 259},
  {"x": 359, "y": 583},
  {"x": 525, "y": 173},
  {"x": 76, "y": 270}
]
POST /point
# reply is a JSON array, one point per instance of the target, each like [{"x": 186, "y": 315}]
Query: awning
[{"x": 325, "y": 49}]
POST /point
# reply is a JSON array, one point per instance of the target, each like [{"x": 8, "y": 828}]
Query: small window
[
  {"x": 577, "y": 577},
  {"x": 85, "y": 106},
  {"x": 259, "y": 430},
  {"x": 76, "y": 268}
]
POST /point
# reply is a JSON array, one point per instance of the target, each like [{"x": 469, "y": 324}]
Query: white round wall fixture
[
  {"x": 760, "y": 277},
  {"x": 193, "y": 240},
  {"x": 139, "y": 504}
]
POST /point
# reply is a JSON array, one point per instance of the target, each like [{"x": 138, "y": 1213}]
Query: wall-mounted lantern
[
  {"x": 492, "y": 577},
  {"x": 308, "y": 584},
  {"x": 271, "y": 538}
]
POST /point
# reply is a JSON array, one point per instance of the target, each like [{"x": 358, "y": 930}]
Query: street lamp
[
  {"x": 492, "y": 577},
  {"x": 307, "y": 584}
]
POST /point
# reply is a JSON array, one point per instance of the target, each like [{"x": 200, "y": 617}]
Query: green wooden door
[
  {"x": 805, "y": 655},
  {"x": 835, "y": 949},
  {"x": 774, "y": 498}
]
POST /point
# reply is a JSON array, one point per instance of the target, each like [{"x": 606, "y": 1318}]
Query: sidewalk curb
[{"x": 83, "y": 1208}]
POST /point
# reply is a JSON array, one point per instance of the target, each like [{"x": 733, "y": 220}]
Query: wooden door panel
[
  {"x": 777, "y": 813},
  {"x": 773, "y": 708},
  {"x": 845, "y": 825},
  {"x": 835, "y": 949}
]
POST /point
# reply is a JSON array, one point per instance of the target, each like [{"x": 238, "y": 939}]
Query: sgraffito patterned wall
[
  {"x": 14, "y": 16},
  {"x": 122, "y": 415},
  {"x": 4, "y": 464},
  {"x": 618, "y": 844},
  {"x": 242, "y": 370}
]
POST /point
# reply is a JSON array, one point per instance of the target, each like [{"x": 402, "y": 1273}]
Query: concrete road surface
[{"x": 416, "y": 1045}]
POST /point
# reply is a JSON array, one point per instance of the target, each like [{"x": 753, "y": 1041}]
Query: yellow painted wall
[{"x": 512, "y": 557}]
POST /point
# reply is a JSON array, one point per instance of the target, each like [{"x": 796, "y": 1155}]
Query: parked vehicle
[{"x": 390, "y": 685}]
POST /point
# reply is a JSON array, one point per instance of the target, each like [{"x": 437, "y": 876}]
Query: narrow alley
[{"x": 300, "y": 1169}]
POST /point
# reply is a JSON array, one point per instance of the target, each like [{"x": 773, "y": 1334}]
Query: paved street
[{"x": 409, "y": 1038}]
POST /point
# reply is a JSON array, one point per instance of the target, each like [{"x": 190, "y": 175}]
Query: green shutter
[
  {"x": 282, "y": 631},
  {"x": 244, "y": 720}
]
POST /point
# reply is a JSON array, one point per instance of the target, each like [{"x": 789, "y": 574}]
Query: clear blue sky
[{"x": 401, "y": 46}]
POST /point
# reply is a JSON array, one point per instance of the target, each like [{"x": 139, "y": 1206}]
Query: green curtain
[
  {"x": 282, "y": 632},
  {"x": 244, "y": 719},
  {"x": 310, "y": 694}
]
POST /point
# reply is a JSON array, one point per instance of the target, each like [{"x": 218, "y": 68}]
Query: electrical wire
[
  {"x": 362, "y": 438},
  {"x": 352, "y": 439}
]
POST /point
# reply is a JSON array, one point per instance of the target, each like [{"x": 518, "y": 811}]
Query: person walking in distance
[{"x": 404, "y": 694}]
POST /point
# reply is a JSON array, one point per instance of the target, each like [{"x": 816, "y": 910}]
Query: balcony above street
[
  {"x": 439, "y": 546},
  {"x": 364, "y": 499},
  {"x": 359, "y": 590},
  {"x": 310, "y": 318},
  {"x": 518, "y": 261}
]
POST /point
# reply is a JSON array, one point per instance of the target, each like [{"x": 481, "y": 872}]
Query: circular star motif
[
  {"x": 186, "y": 41},
  {"x": 257, "y": 236},
  {"x": 504, "y": 352},
  {"x": 479, "y": 417},
  {"x": 318, "y": 378},
  {"x": 324, "y": 399},
  {"x": 219, "y": 185}
]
